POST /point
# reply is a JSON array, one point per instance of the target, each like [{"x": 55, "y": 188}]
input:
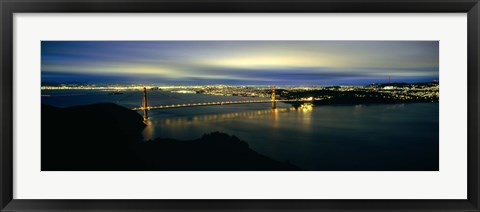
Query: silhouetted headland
[{"x": 108, "y": 137}]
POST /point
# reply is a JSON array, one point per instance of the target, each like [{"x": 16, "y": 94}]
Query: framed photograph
[{"x": 239, "y": 105}]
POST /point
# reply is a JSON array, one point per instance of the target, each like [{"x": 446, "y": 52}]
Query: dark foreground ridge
[{"x": 107, "y": 137}]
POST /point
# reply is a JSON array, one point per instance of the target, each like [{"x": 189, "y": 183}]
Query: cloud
[{"x": 268, "y": 61}]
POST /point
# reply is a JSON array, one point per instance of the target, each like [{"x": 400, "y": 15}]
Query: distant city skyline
[{"x": 283, "y": 63}]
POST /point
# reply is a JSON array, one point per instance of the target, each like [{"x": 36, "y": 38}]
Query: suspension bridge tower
[
  {"x": 274, "y": 103},
  {"x": 145, "y": 105}
]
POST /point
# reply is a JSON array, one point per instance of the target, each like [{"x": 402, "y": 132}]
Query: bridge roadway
[{"x": 213, "y": 103}]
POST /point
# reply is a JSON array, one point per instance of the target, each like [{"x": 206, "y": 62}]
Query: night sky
[{"x": 240, "y": 62}]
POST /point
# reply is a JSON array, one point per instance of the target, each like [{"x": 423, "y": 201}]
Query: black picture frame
[{"x": 9, "y": 7}]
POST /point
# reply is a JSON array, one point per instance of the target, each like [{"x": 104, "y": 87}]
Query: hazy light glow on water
[{"x": 353, "y": 137}]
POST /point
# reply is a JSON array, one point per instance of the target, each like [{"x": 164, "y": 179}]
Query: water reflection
[
  {"x": 214, "y": 117},
  {"x": 149, "y": 131},
  {"x": 199, "y": 120},
  {"x": 306, "y": 117},
  {"x": 275, "y": 118}
]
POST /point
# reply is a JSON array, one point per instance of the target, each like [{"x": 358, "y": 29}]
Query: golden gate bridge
[{"x": 145, "y": 108}]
